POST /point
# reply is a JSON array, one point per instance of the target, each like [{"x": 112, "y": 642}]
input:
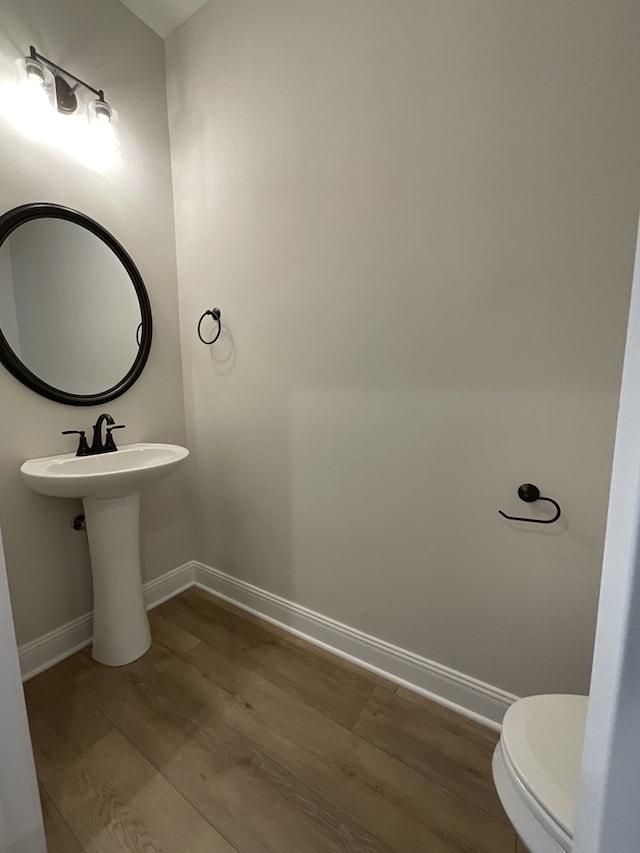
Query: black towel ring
[
  {"x": 530, "y": 493},
  {"x": 215, "y": 313}
]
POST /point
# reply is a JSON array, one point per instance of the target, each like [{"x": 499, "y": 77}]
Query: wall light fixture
[{"x": 42, "y": 73}]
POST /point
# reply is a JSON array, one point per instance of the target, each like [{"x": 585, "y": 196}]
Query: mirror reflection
[{"x": 68, "y": 308}]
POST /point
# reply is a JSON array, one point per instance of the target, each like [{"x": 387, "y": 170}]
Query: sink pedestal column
[{"x": 120, "y": 626}]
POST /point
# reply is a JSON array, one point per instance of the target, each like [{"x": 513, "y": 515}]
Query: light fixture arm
[{"x": 54, "y": 67}]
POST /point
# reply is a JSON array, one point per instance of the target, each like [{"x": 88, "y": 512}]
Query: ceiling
[{"x": 163, "y": 16}]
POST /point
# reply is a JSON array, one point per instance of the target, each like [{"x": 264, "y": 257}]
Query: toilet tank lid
[{"x": 543, "y": 737}]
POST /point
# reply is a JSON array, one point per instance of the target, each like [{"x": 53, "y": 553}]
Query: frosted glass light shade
[
  {"x": 101, "y": 112},
  {"x": 103, "y": 131},
  {"x": 37, "y": 85}
]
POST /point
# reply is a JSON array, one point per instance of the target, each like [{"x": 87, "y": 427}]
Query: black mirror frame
[{"x": 18, "y": 216}]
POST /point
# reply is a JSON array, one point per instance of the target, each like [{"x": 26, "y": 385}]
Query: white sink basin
[{"x": 107, "y": 475}]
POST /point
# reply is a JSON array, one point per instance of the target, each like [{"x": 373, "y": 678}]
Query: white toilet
[{"x": 536, "y": 769}]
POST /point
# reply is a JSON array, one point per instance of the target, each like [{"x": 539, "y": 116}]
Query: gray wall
[
  {"x": 102, "y": 42},
  {"x": 418, "y": 219}
]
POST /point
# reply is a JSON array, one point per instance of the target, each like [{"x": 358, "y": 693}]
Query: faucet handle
[
  {"x": 110, "y": 445},
  {"x": 83, "y": 447}
]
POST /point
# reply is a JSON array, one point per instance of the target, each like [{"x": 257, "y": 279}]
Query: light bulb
[
  {"x": 34, "y": 78},
  {"x": 101, "y": 111},
  {"x": 103, "y": 135},
  {"x": 35, "y": 72},
  {"x": 30, "y": 105}
]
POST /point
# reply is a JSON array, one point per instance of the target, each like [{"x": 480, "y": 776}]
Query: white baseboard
[
  {"x": 455, "y": 690},
  {"x": 55, "y": 646},
  {"x": 50, "y": 649},
  {"x": 166, "y": 586}
]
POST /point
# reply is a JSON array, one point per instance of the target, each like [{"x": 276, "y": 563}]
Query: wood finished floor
[{"x": 231, "y": 736}]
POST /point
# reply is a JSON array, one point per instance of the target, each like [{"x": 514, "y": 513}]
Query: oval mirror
[{"x": 75, "y": 318}]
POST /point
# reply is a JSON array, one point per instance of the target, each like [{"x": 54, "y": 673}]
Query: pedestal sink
[{"x": 109, "y": 485}]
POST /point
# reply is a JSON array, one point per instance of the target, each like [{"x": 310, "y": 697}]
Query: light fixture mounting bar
[{"x": 53, "y": 66}]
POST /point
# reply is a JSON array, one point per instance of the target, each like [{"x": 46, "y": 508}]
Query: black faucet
[
  {"x": 97, "y": 445},
  {"x": 109, "y": 445},
  {"x": 83, "y": 447}
]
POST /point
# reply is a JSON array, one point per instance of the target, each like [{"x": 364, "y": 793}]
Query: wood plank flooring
[{"x": 232, "y": 736}]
